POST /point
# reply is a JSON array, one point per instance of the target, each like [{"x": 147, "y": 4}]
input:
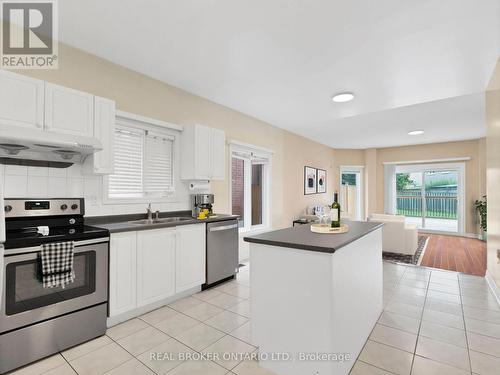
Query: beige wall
[
  {"x": 137, "y": 93},
  {"x": 493, "y": 173},
  {"x": 475, "y": 171}
]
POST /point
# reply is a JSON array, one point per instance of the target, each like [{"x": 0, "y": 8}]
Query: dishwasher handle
[{"x": 223, "y": 227}]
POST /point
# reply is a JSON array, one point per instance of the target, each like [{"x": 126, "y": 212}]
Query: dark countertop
[
  {"x": 301, "y": 237},
  {"x": 121, "y": 223}
]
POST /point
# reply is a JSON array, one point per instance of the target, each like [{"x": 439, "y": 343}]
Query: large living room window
[{"x": 250, "y": 185}]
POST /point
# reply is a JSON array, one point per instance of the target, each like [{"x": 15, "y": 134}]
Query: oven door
[{"x": 25, "y": 301}]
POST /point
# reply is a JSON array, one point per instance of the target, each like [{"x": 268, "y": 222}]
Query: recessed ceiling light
[
  {"x": 416, "y": 132},
  {"x": 343, "y": 97}
]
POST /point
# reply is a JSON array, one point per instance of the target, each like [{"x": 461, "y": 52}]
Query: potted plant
[{"x": 481, "y": 208}]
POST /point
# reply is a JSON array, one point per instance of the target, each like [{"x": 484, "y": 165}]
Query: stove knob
[
  {"x": 64, "y": 207},
  {"x": 8, "y": 208},
  {"x": 74, "y": 206}
]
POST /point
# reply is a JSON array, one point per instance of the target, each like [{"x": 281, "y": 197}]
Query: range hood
[{"x": 43, "y": 148}]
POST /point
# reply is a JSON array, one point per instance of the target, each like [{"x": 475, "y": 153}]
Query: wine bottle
[{"x": 335, "y": 212}]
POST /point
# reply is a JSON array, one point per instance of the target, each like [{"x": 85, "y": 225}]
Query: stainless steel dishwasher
[{"x": 222, "y": 251}]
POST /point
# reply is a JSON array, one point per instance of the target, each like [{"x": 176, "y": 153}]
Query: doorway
[
  {"x": 431, "y": 196},
  {"x": 351, "y": 192}
]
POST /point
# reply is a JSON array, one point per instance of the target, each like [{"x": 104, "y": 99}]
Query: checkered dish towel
[{"x": 57, "y": 264}]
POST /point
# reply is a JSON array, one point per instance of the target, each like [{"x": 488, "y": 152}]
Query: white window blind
[
  {"x": 158, "y": 176},
  {"x": 143, "y": 164},
  {"x": 126, "y": 182}
]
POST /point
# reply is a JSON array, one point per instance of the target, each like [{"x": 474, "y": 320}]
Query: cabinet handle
[{"x": 225, "y": 227}]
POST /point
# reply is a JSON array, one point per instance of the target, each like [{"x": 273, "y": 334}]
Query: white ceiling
[{"x": 412, "y": 64}]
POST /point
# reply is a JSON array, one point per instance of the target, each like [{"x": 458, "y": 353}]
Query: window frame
[
  {"x": 247, "y": 185},
  {"x": 153, "y": 126}
]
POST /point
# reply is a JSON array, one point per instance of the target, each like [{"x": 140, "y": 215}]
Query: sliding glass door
[{"x": 430, "y": 197}]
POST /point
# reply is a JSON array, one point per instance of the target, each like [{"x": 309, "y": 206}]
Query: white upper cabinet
[
  {"x": 104, "y": 128},
  {"x": 190, "y": 255},
  {"x": 218, "y": 154},
  {"x": 155, "y": 265},
  {"x": 21, "y": 100},
  {"x": 203, "y": 153},
  {"x": 68, "y": 111}
]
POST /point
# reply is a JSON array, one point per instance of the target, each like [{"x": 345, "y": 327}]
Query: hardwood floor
[{"x": 459, "y": 254}]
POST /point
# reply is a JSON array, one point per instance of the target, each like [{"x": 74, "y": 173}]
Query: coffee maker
[{"x": 200, "y": 202}]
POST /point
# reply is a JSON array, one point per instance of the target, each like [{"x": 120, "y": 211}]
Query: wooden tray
[{"x": 326, "y": 228}]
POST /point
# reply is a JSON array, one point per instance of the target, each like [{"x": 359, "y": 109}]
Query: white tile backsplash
[
  {"x": 37, "y": 186},
  {"x": 75, "y": 182},
  {"x": 16, "y": 186},
  {"x": 38, "y": 171},
  {"x": 57, "y": 187},
  {"x": 75, "y": 186},
  {"x": 16, "y": 170}
]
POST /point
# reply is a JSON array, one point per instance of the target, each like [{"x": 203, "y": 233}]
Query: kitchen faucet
[{"x": 149, "y": 212}]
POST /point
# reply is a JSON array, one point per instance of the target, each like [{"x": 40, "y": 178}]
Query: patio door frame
[
  {"x": 359, "y": 171},
  {"x": 426, "y": 167}
]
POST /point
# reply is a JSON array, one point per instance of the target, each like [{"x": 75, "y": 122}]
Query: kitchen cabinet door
[
  {"x": 104, "y": 129},
  {"x": 155, "y": 265},
  {"x": 68, "y": 111},
  {"x": 202, "y": 152},
  {"x": 217, "y": 155},
  {"x": 21, "y": 100},
  {"x": 190, "y": 256},
  {"x": 122, "y": 273}
]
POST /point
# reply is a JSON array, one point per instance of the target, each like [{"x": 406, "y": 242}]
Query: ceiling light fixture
[
  {"x": 416, "y": 132},
  {"x": 343, "y": 97}
]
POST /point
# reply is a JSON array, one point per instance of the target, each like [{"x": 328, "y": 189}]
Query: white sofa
[{"x": 397, "y": 236}]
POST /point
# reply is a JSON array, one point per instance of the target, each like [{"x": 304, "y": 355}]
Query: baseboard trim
[
  {"x": 493, "y": 286},
  {"x": 467, "y": 235},
  {"x": 120, "y": 318}
]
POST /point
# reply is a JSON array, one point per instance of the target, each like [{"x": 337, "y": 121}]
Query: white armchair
[{"x": 397, "y": 236}]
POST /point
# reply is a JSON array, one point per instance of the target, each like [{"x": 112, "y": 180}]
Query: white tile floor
[{"x": 434, "y": 323}]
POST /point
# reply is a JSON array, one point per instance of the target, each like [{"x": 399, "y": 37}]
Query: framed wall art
[
  {"x": 321, "y": 181},
  {"x": 310, "y": 180}
]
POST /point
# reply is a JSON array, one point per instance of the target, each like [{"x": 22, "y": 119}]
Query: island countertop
[{"x": 301, "y": 237}]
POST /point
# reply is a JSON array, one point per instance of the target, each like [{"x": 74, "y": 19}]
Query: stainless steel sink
[{"x": 160, "y": 221}]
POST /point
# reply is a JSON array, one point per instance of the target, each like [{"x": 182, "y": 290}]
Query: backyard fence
[{"x": 441, "y": 204}]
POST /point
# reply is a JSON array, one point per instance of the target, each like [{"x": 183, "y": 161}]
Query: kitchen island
[{"x": 315, "y": 297}]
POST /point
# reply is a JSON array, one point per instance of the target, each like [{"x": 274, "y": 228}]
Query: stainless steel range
[{"x": 36, "y": 321}]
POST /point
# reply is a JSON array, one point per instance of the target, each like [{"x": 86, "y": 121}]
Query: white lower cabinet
[
  {"x": 149, "y": 266},
  {"x": 122, "y": 273},
  {"x": 190, "y": 257},
  {"x": 155, "y": 265}
]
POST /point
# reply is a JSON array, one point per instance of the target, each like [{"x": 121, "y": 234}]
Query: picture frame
[
  {"x": 320, "y": 181},
  {"x": 310, "y": 175}
]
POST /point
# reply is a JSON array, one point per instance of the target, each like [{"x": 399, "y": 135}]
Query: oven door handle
[{"x": 35, "y": 249}]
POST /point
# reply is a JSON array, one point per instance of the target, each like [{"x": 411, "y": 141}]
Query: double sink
[{"x": 175, "y": 219}]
